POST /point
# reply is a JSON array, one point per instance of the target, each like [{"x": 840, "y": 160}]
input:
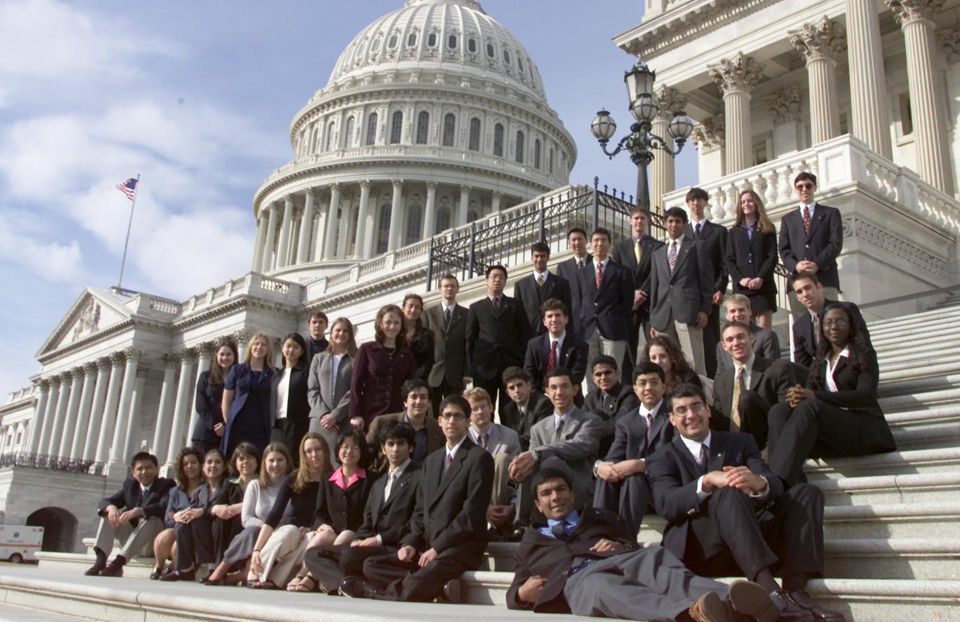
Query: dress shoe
[
  {"x": 517, "y": 534},
  {"x": 114, "y": 568},
  {"x": 751, "y": 600},
  {"x": 820, "y": 614},
  {"x": 356, "y": 587},
  {"x": 451, "y": 591},
  {"x": 156, "y": 574},
  {"x": 179, "y": 575},
  {"x": 789, "y": 612},
  {"x": 97, "y": 567},
  {"x": 209, "y": 581},
  {"x": 710, "y": 608}
]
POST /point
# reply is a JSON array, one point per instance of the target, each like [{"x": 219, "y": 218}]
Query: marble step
[
  {"x": 922, "y": 360},
  {"x": 941, "y": 394},
  {"x": 888, "y": 325},
  {"x": 918, "y": 379},
  {"x": 893, "y": 463},
  {"x": 936, "y": 436},
  {"x": 883, "y": 489},
  {"x": 941, "y": 341}
]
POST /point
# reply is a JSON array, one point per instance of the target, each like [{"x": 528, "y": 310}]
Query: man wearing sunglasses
[{"x": 811, "y": 239}]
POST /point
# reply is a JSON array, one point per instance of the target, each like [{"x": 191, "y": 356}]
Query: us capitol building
[{"x": 435, "y": 127}]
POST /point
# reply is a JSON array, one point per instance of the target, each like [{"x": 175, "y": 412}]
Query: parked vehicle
[{"x": 20, "y": 543}]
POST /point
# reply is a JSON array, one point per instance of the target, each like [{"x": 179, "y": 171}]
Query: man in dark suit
[
  {"x": 427, "y": 436},
  {"x": 497, "y": 335},
  {"x": 386, "y": 517},
  {"x": 316, "y": 342},
  {"x": 448, "y": 531},
  {"x": 745, "y": 393},
  {"x": 681, "y": 290},
  {"x": 712, "y": 241},
  {"x": 606, "y": 302},
  {"x": 526, "y": 406},
  {"x": 568, "y": 269},
  {"x": 608, "y": 399},
  {"x": 533, "y": 289},
  {"x": 587, "y": 563},
  {"x": 807, "y": 330},
  {"x": 558, "y": 347},
  {"x": 636, "y": 253},
  {"x": 448, "y": 321},
  {"x": 728, "y": 513},
  {"x": 133, "y": 515},
  {"x": 766, "y": 344},
  {"x": 811, "y": 239},
  {"x": 622, "y": 485}
]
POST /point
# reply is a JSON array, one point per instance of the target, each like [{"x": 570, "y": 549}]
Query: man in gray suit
[
  {"x": 504, "y": 445},
  {"x": 448, "y": 322},
  {"x": 569, "y": 438},
  {"x": 766, "y": 344}
]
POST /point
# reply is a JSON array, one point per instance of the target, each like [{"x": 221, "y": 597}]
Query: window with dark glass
[
  {"x": 498, "y": 140},
  {"x": 449, "y": 128},
  {"x": 519, "y": 155},
  {"x": 423, "y": 127},
  {"x": 372, "y": 128},
  {"x": 474, "y": 135},
  {"x": 396, "y": 128}
]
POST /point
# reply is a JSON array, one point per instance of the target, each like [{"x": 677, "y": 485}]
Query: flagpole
[{"x": 129, "y": 225}]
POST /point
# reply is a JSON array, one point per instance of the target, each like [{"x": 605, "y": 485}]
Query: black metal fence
[{"x": 52, "y": 463}]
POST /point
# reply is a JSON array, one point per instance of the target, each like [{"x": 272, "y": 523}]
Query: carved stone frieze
[
  {"x": 784, "y": 105},
  {"x": 950, "y": 43},
  {"x": 862, "y": 230},
  {"x": 709, "y": 133}
]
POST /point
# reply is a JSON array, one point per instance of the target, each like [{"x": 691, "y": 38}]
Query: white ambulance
[{"x": 19, "y": 543}]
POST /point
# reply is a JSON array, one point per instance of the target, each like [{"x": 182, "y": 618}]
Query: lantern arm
[{"x": 620, "y": 146}]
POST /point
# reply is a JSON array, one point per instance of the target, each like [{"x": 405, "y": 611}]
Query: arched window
[
  {"x": 423, "y": 127},
  {"x": 396, "y": 128},
  {"x": 392, "y": 42},
  {"x": 411, "y": 39},
  {"x": 474, "y": 134},
  {"x": 498, "y": 140},
  {"x": 506, "y": 56},
  {"x": 520, "y": 63},
  {"x": 443, "y": 220},
  {"x": 449, "y": 128},
  {"x": 329, "y": 144},
  {"x": 383, "y": 230},
  {"x": 351, "y": 128},
  {"x": 414, "y": 224},
  {"x": 432, "y": 40},
  {"x": 452, "y": 42},
  {"x": 551, "y": 160},
  {"x": 372, "y": 128},
  {"x": 472, "y": 45},
  {"x": 490, "y": 51},
  {"x": 375, "y": 46},
  {"x": 519, "y": 155},
  {"x": 536, "y": 153}
]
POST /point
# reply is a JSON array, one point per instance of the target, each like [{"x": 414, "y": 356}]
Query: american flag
[{"x": 128, "y": 187}]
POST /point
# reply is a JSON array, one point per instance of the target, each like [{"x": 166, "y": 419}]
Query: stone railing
[
  {"x": 21, "y": 394},
  {"x": 253, "y": 284},
  {"x": 164, "y": 306},
  {"x": 51, "y": 463},
  {"x": 839, "y": 164}
]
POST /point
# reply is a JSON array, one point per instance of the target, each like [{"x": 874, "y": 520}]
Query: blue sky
[{"x": 197, "y": 97}]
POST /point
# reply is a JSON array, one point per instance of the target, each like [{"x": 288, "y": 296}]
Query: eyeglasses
[
  {"x": 841, "y": 323},
  {"x": 805, "y": 186},
  {"x": 696, "y": 409},
  {"x": 602, "y": 373},
  {"x": 458, "y": 416}
]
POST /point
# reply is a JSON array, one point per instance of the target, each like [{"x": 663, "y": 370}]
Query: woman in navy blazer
[
  {"x": 380, "y": 369},
  {"x": 246, "y": 398},
  {"x": 289, "y": 406},
  {"x": 751, "y": 257},
  {"x": 209, "y": 429}
]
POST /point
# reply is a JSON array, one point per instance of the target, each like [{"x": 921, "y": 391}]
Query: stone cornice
[
  {"x": 229, "y": 307},
  {"x": 395, "y": 280}
]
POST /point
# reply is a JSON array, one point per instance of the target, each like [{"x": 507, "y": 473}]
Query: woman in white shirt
[
  {"x": 329, "y": 383},
  {"x": 289, "y": 406}
]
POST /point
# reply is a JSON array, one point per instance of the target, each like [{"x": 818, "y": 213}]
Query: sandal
[{"x": 303, "y": 586}]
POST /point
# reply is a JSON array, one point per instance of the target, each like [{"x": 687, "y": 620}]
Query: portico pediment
[{"x": 94, "y": 310}]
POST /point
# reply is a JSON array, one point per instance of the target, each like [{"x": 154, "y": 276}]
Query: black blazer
[
  {"x": 568, "y": 270},
  {"x": 673, "y": 475},
  {"x": 538, "y": 407},
  {"x": 573, "y": 356},
  {"x": 391, "y": 520},
  {"x": 209, "y": 406},
  {"x": 609, "y": 308},
  {"x": 496, "y": 341},
  {"x": 768, "y": 379},
  {"x": 623, "y": 253},
  {"x": 531, "y": 296},
  {"x": 451, "y": 511},
  {"x": 621, "y": 397},
  {"x": 548, "y": 557},
  {"x": 751, "y": 258},
  {"x": 422, "y": 345},
  {"x": 449, "y": 354},
  {"x": 298, "y": 403},
  {"x": 822, "y": 246},
  {"x": 856, "y": 391},
  {"x": 712, "y": 244},
  {"x": 343, "y": 509},
  {"x": 154, "y": 503},
  {"x": 630, "y": 440},
  {"x": 804, "y": 345}
]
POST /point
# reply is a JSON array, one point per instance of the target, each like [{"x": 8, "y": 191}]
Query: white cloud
[{"x": 52, "y": 261}]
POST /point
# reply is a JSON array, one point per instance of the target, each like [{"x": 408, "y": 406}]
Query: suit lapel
[
  {"x": 718, "y": 444},
  {"x": 660, "y": 419},
  {"x": 451, "y": 474},
  {"x": 817, "y": 217},
  {"x": 760, "y": 365},
  {"x": 693, "y": 469},
  {"x": 681, "y": 257},
  {"x": 376, "y": 497}
]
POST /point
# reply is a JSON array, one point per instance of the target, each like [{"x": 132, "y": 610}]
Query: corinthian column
[
  {"x": 396, "y": 217},
  {"x": 165, "y": 410},
  {"x": 933, "y": 151},
  {"x": 329, "y": 244},
  {"x": 430, "y": 211},
  {"x": 463, "y": 213},
  {"x": 181, "y": 412},
  {"x": 83, "y": 417},
  {"x": 821, "y": 44},
  {"x": 60, "y": 415},
  {"x": 361, "y": 250},
  {"x": 135, "y": 404},
  {"x": 283, "y": 247},
  {"x": 272, "y": 224},
  {"x": 736, "y": 78},
  {"x": 109, "y": 420},
  {"x": 36, "y": 424},
  {"x": 124, "y": 414},
  {"x": 662, "y": 174},
  {"x": 89, "y": 451},
  {"x": 259, "y": 244},
  {"x": 306, "y": 229},
  {"x": 868, "y": 82},
  {"x": 73, "y": 411}
]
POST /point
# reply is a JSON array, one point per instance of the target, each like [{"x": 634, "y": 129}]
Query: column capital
[
  {"x": 465, "y": 188},
  {"x": 206, "y": 349},
  {"x": 335, "y": 186},
  {"x": 117, "y": 359},
  {"x": 42, "y": 384},
  {"x": 825, "y": 39},
  {"x": 171, "y": 361},
  {"x": 909, "y": 11},
  {"x": 397, "y": 183},
  {"x": 669, "y": 100},
  {"x": 243, "y": 335},
  {"x": 784, "y": 105},
  {"x": 103, "y": 364},
  {"x": 949, "y": 39},
  {"x": 91, "y": 367},
  {"x": 132, "y": 354},
  {"x": 738, "y": 74},
  {"x": 365, "y": 184},
  {"x": 67, "y": 376},
  {"x": 188, "y": 355},
  {"x": 710, "y": 132},
  {"x": 142, "y": 372},
  {"x": 497, "y": 194},
  {"x": 432, "y": 185}
]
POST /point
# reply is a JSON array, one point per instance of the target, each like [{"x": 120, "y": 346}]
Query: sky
[{"x": 197, "y": 98}]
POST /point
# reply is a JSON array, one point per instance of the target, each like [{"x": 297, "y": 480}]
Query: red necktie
[
  {"x": 599, "y": 273},
  {"x": 552, "y": 360},
  {"x": 806, "y": 219}
]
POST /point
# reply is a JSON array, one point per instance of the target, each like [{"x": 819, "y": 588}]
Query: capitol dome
[{"x": 434, "y": 116}]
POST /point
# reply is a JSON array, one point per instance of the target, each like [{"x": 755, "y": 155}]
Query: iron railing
[{"x": 52, "y": 463}]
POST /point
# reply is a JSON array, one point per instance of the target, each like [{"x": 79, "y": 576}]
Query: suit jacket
[
  {"x": 685, "y": 293},
  {"x": 822, "y": 246},
  {"x": 343, "y": 509},
  {"x": 298, "y": 404},
  {"x": 609, "y": 308},
  {"x": 621, "y": 397},
  {"x": 531, "y": 296},
  {"x": 573, "y": 355},
  {"x": 435, "y": 438},
  {"x": 579, "y": 442},
  {"x": 630, "y": 441},
  {"x": 623, "y": 253},
  {"x": 154, "y": 503},
  {"x": 209, "y": 409},
  {"x": 748, "y": 258},
  {"x": 496, "y": 340},
  {"x": 568, "y": 270},
  {"x": 451, "y": 511},
  {"x": 673, "y": 475},
  {"x": 377, "y": 378},
  {"x": 766, "y": 344},
  {"x": 856, "y": 391},
  {"x": 327, "y": 395},
  {"x": 768, "y": 379},
  {"x": 712, "y": 244},
  {"x": 449, "y": 355},
  {"x": 501, "y": 440},
  {"x": 548, "y": 557},
  {"x": 390, "y": 519},
  {"x": 243, "y": 381},
  {"x": 804, "y": 344},
  {"x": 538, "y": 407}
]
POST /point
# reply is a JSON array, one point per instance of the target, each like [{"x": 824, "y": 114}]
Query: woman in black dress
[
  {"x": 210, "y": 427},
  {"x": 246, "y": 398},
  {"x": 751, "y": 257},
  {"x": 289, "y": 405},
  {"x": 418, "y": 337}
]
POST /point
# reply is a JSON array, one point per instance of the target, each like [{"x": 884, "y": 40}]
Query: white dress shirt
[
  {"x": 811, "y": 206},
  {"x": 283, "y": 390},
  {"x": 831, "y": 384},
  {"x": 747, "y": 370}
]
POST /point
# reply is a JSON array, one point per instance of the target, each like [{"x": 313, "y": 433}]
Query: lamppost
[{"x": 641, "y": 142}]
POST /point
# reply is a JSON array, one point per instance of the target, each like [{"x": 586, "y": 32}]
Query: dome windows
[
  {"x": 423, "y": 127},
  {"x": 472, "y": 45},
  {"x": 536, "y": 154},
  {"x": 449, "y": 129},
  {"x": 372, "y": 129},
  {"x": 392, "y": 41},
  {"x": 519, "y": 154},
  {"x": 474, "y": 144},
  {"x": 506, "y": 57},
  {"x": 411, "y": 40},
  {"x": 520, "y": 64},
  {"x": 329, "y": 144},
  {"x": 490, "y": 51},
  {"x": 375, "y": 46},
  {"x": 351, "y": 128},
  {"x": 396, "y": 128},
  {"x": 432, "y": 40},
  {"x": 498, "y": 140},
  {"x": 452, "y": 42}
]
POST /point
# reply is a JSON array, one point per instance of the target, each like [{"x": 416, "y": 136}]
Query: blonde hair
[
  {"x": 302, "y": 478},
  {"x": 268, "y": 359},
  {"x": 763, "y": 222},
  {"x": 739, "y": 299},
  {"x": 477, "y": 394},
  {"x": 352, "y": 342}
]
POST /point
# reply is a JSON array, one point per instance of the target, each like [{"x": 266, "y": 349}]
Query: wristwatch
[{"x": 535, "y": 454}]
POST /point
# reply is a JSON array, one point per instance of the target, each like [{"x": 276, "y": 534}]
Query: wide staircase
[{"x": 892, "y": 521}]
